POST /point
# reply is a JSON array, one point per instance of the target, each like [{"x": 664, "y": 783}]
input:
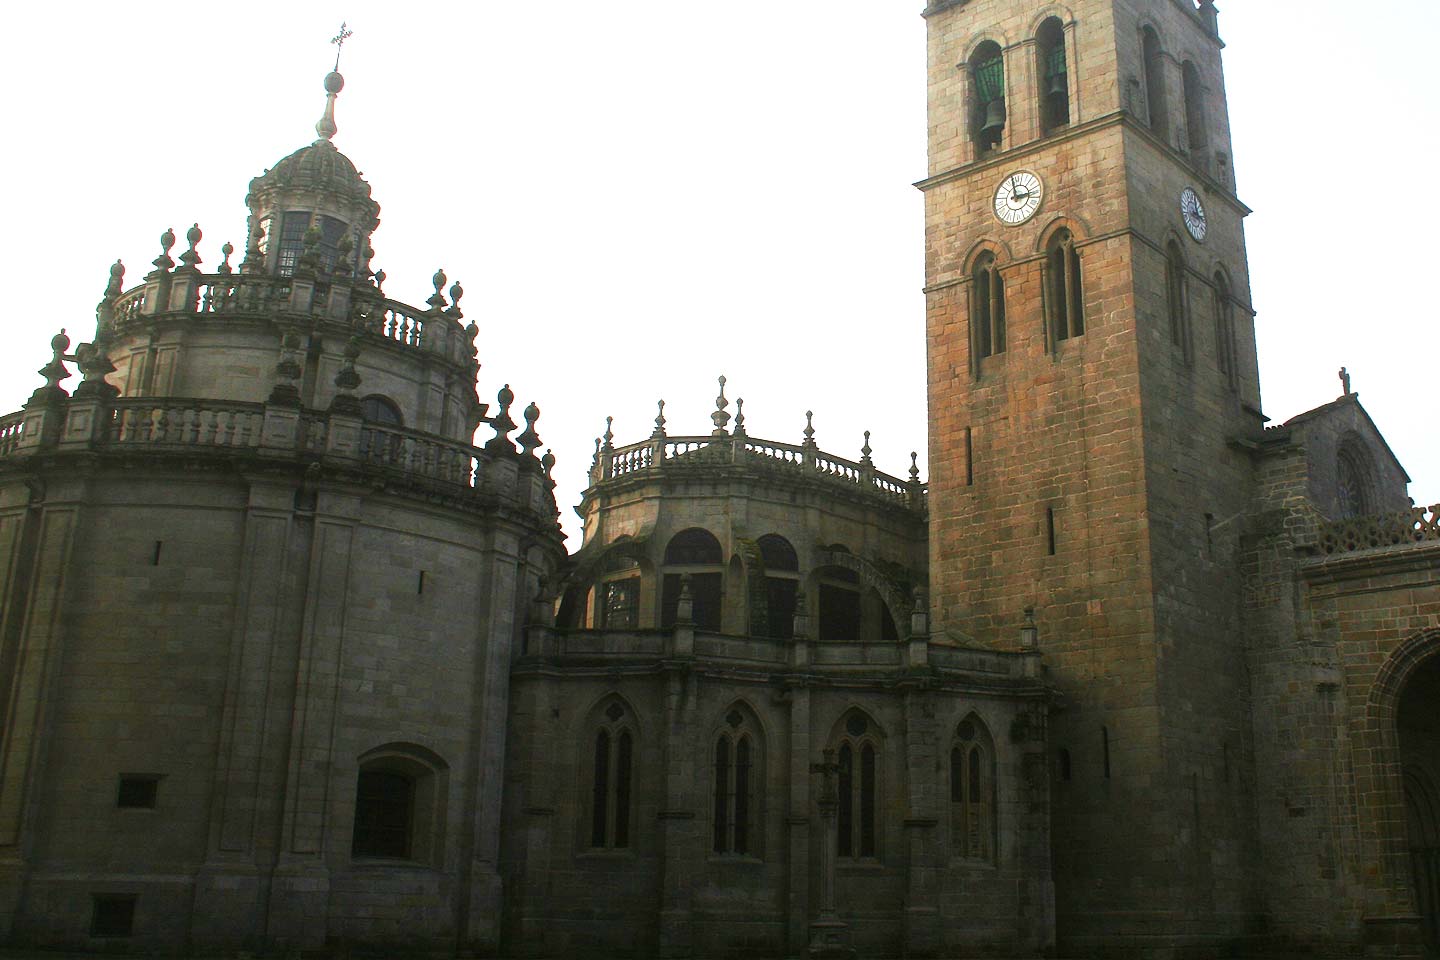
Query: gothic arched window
[
  {"x": 1225, "y": 329},
  {"x": 1055, "y": 81},
  {"x": 1064, "y": 289},
  {"x": 1196, "y": 126},
  {"x": 696, "y": 553},
  {"x": 972, "y": 791},
  {"x": 738, "y": 779},
  {"x": 987, "y": 291},
  {"x": 611, "y": 773},
  {"x": 987, "y": 79},
  {"x": 1154, "y": 66},
  {"x": 858, "y": 756},
  {"x": 1176, "y": 298}
]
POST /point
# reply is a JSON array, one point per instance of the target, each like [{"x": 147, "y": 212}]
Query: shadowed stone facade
[{"x": 291, "y": 661}]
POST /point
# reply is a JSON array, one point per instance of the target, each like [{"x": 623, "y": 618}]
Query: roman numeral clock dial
[
  {"x": 1193, "y": 213},
  {"x": 1018, "y": 197}
]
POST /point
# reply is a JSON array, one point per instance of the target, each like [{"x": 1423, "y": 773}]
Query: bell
[{"x": 994, "y": 121}]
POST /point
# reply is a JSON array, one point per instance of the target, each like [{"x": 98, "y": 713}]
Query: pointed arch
[
  {"x": 1177, "y": 296},
  {"x": 610, "y": 745},
  {"x": 972, "y": 790},
  {"x": 737, "y": 749},
  {"x": 858, "y": 742},
  {"x": 1152, "y": 63}
]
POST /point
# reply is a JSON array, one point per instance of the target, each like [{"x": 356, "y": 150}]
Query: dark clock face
[{"x": 1194, "y": 213}]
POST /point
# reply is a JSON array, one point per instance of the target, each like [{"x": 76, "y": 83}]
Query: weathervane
[{"x": 339, "y": 41}]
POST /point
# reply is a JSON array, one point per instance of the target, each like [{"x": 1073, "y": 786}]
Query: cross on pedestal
[{"x": 828, "y": 933}]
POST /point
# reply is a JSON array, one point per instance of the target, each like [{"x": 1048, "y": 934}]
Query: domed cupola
[{"x": 316, "y": 187}]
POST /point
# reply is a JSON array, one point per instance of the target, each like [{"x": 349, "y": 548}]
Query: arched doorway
[{"x": 1417, "y": 724}]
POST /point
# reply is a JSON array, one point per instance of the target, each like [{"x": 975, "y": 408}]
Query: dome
[{"x": 316, "y": 167}]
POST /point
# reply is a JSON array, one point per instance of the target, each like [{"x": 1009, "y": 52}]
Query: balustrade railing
[
  {"x": 241, "y": 295},
  {"x": 702, "y": 450},
  {"x": 12, "y": 429},
  {"x": 172, "y": 422},
  {"x": 185, "y": 423},
  {"x": 413, "y": 453},
  {"x": 1416, "y": 525}
]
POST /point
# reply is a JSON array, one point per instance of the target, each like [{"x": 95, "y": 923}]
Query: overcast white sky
[{"x": 639, "y": 196}]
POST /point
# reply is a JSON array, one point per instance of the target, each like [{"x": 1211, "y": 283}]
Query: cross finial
[{"x": 339, "y": 41}]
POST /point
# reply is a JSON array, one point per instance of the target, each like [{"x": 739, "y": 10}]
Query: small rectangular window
[
  {"x": 137, "y": 791},
  {"x": 969, "y": 458},
  {"x": 112, "y": 914}
]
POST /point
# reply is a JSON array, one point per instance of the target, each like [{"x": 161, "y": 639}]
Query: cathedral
[{"x": 295, "y": 658}]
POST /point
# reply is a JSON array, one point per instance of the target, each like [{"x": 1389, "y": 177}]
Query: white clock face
[
  {"x": 1018, "y": 197},
  {"x": 1194, "y": 213}
]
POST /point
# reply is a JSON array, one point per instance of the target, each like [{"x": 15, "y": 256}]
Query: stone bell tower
[{"x": 1092, "y": 393}]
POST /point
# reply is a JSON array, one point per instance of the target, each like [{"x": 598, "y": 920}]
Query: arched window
[
  {"x": 1196, "y": 126},
  {"x": 1176, "y": 298},
  {"x": 620, "y": 593},
  {"x": 399, "y": 804},
  {"x": 739, "y": 775},
  {"x": 840, "y": 611},
  {"x": 293, "y": 227},
  {"x": 1064, "y": 290},
  {"x": 987, "y": 291},
  {"x": 1354, "y": 491},
  {"x": 972, "y": 791},
  {"x": 697, "y": 553},
  {"x": 611, "y": 772},
  {"x": 1055, "y": 82},
  {"x": 1224, "y": 329},
  {"x": 1154, "y": 82},
  {"x": 858, "y": 757},
  {"x": 782, "y": 581},
  {"x": 381, "y": 410},
  {"x": 987, "y": 78}
]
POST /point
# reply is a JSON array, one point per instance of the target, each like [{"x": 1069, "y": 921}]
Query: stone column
[
  {"x": 797, "y": 820},
  {"x": 228, "y": 886},
  {"x": 480, "y": 875},
  {"x": 680, "y": 849},
  {"x": 829, "y": 935},
  {"x": 922, "y": 909},
  {"x": 300, "y": 882}
]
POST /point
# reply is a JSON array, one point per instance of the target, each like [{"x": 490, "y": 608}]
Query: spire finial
[
  {"x": 334, "y": 83},
  {"x": 720, "y": 417}
]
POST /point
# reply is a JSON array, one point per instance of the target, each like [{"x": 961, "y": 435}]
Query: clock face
[
  {"x": 1018, "y": 197},
  {"x": 1193, "y": 212}
]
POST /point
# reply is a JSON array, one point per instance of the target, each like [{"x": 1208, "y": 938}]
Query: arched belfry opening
[{"x": 1417, "y": 724}]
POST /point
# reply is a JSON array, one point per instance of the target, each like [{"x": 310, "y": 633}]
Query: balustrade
[
  {"x": 12, "y": 430},
  {"x": 1416, "y": 525},
  {"x": 680, "y": 452},
  {"x": 241, "y": 295}
]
